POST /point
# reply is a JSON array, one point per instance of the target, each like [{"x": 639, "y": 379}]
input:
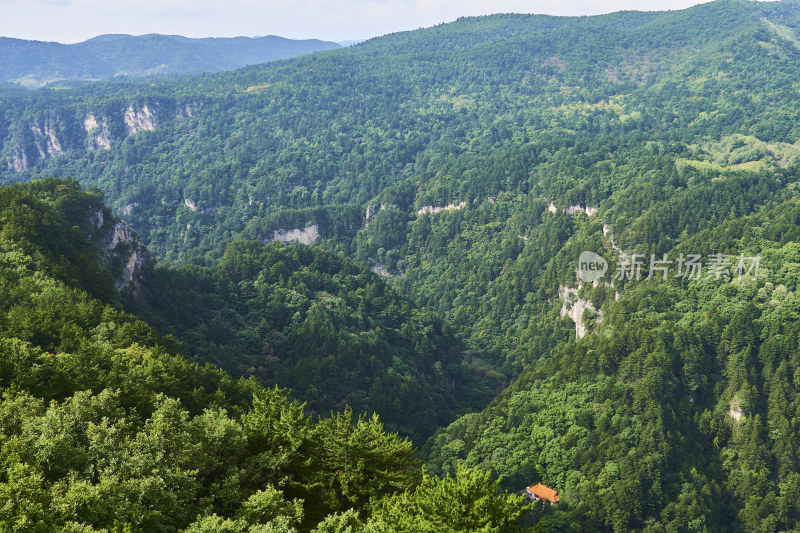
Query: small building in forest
[{"x": 542, "y": 493}]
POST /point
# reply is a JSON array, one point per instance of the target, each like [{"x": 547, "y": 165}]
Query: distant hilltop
[{"x": 36, "y": 63}]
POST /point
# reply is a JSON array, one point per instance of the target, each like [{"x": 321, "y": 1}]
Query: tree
[{"x": 468, "y": 502}]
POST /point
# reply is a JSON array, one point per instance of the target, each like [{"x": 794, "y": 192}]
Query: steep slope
[
  {"x": 366, "y": 144},
  {"x": 106, "y": 426},
  {"x": 471, "y": 164},
  {"x": 323, "y": 326},
  {"x": 387, "y": 111},
  {"x": 73, "y": 237},
  {"x": 303, "y": 318},
  {"x": 680, "y": 411}
]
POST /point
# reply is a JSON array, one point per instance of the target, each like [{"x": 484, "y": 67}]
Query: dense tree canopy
[
  {"x": 469, "y": 165},
  {"x": 106, "y": 426}
]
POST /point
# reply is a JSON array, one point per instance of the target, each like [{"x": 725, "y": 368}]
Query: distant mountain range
[{"x": 35, "y": 63}]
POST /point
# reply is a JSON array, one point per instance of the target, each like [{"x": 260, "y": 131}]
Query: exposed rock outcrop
[
  {"x": 432, "y": 210},
  {"x": 307, "y": 235},
  {"x": 98, "y": 218},
  {"x": 19, "y": 160},
  {"x": 47, "y": 142},
  {"x": 574, "y": 308},
  {"x": 138, "y": 118},
  {"x": 575, "y": 209},
  {"x": 128, "y": 209},
  {"x": 124, "y": 254},
  {"x": 381, "y": 271},
  {"x": 372, "y": 212},
  {"x": 99, "y": 136},
  {"x": 186, "y": 111},
  {"x": 41, "y": 136}
]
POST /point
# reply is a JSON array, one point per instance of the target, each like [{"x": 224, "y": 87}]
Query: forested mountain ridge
[
  {"x": 36, "y": 63},
  {"x": 680, "y": 410},
  {"x": 106, "y": 426},
  {"x": 77, "y": 240},
  {"x": 325, "y": 327},
  {"x": 358, "y": 142},
  {"x": 471, "y": 164}
]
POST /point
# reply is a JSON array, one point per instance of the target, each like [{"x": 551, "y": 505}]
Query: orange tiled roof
[{"x": 544, "y": 493}]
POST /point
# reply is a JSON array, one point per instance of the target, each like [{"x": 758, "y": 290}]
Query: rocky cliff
[
  {"x": 98, "y": 136},
  {"x": 121, "y": 252},
  {"x": 124, "y": 255},
  {"x": 138, "y": 118},
  {"x": 33, "y": 140}
]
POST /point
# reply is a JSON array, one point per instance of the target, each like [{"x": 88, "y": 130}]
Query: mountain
[
  {"x": 472, "y": 166},
  {"x": 107, "y": 426},
  {"x": 325, "y": 327},
  {"x": 34, "y": 63}
]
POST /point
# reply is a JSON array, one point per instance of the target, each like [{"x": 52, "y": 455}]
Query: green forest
[
  {"x": 106, "y": 425},
  {"x": 324, "y": 326},
  {"x": 341, "y": 292}
]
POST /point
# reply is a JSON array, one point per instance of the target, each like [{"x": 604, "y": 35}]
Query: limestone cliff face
[
  {"x": 122, "y": 252},
  {"x": 123, "y": 248},
  {"x": 575, "y": 209},
  {"x": 98, "y": 218},
  {"x": 138, "y": 118},
  {"x": 372, "y": 212},
  {"x": 46, "y": 140},
  {"x": 99, "y": 138},
  {"x": 430, "y": 209},
  {"x": 19, "y": 160},
  {"x": 574, "y": 308},
  {"x": 32, "y": 142},
  {"x": 187, "y": 111},
  {"x": 307, "y": 235}
]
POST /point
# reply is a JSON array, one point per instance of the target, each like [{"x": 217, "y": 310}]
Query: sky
[{"x": 69, "y": 21}]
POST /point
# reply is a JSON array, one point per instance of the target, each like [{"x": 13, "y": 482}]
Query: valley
[{"x": 394, "y": 228}]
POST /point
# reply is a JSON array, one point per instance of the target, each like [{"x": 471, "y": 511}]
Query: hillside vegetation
[
  {"x": 106, "y": 426},
  {"x": 324, "y": 326},
  {"x": 470, "y": 165}
]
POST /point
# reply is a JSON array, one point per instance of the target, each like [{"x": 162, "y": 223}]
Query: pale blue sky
[{"x": 335, "y": 20}]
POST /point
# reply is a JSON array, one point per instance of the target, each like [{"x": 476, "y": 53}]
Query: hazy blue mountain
[{"x": 34, "y": 63}]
